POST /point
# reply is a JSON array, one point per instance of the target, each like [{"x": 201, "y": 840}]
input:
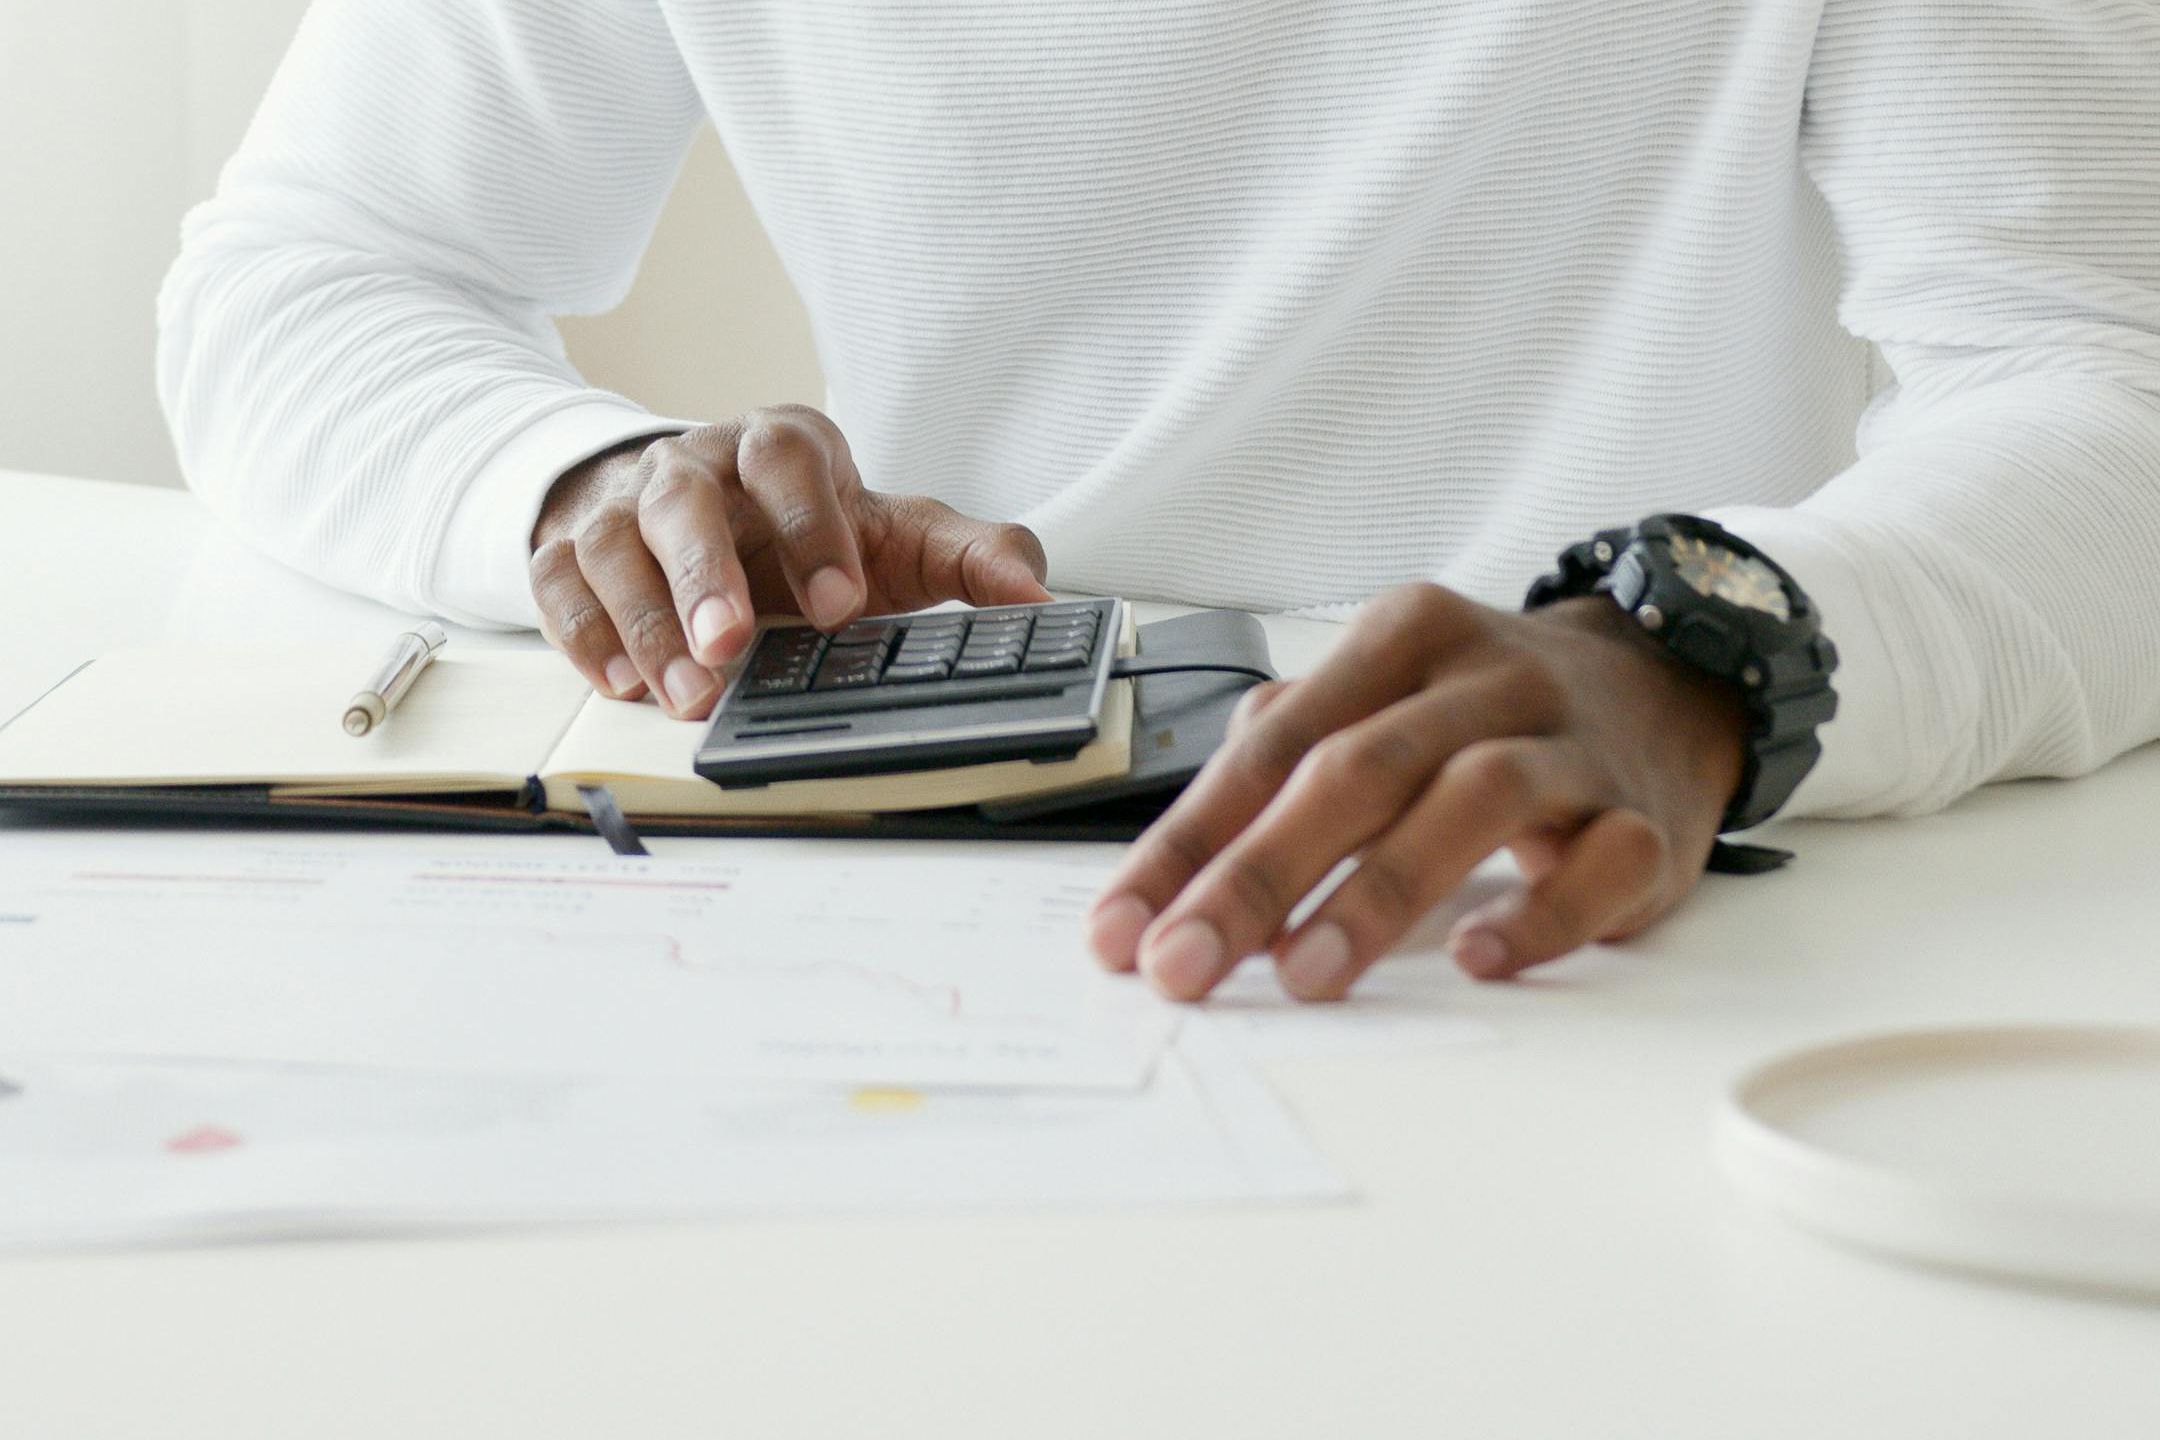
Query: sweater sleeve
[
  {"x": 1990, "y": 566},
  {"x": 356, "y": 350}
]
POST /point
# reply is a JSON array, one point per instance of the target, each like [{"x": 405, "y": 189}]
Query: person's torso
[{"x": 1276, "y": 304}]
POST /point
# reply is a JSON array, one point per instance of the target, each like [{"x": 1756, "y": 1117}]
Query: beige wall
[{"x": 115, "y": 116}]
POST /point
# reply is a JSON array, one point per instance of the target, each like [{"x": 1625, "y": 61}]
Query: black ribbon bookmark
[{"x": 608, "y": 819}]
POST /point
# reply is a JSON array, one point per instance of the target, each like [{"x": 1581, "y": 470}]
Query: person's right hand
[{"x": 652, "y": 561}]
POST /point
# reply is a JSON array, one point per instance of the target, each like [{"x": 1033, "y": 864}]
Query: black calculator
[{"x": 915, "y": 692}]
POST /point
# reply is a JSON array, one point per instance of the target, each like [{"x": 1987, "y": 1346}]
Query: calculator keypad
[{"x": 922, "y": 652}]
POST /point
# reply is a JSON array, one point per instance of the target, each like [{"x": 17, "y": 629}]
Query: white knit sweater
[{"x": 1273, "y": 303}]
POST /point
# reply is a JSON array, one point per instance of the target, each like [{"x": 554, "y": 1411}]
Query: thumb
[{"x": 957, "y": 557}]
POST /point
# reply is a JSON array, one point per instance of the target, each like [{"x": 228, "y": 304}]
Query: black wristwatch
[{"x": 1724, "y": 607}]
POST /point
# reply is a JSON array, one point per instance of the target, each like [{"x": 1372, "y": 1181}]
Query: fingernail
[
  {"x": 1185, "y": 960},
  {"x": 831, "y": 597},
  {"x": 1480, "y": 951},
  {"x": 1019, "y": 578},
  {"x": 1319, "y": 962},
  {"x": 709, "y": 621},
  {"x": 1114, "y": 929},
  {"x": 622, "y": 676},
  {"x": 687, "y": 682}
]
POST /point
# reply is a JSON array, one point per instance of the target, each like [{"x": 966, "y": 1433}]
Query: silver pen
[{"x": 407, "y": 658}]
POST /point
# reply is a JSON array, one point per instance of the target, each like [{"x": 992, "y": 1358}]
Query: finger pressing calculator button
[{"x": 1004, "y": 662}]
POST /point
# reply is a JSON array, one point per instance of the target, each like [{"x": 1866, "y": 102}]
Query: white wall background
[{"x": 114, "y": 118}]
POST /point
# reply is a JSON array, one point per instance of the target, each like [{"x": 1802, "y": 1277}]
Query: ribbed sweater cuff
[{"x": 481, "y": 573}]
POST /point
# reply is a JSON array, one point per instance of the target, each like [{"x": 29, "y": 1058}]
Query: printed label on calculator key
[
  {"x": 1056, "y": 660},
  {"x": 851, "y": 677}
]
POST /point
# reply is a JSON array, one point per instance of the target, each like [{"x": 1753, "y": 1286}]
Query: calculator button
[
  {"x": 1086, "y": 607},
  {"x": 843, "y": 657},
  {"x": 780, "y": 645},
  {"x": 866, "y": 632},
  {"x": 846, "y": 677},
  {"x": 782, "y": 665},
  {"x": 933, "y": 624},
  {"x": 1066, "y": 659},
  {"x": 916, "y": 672},
  {"x": 1048, "y": 638},
  {"x": 1005, "y": 662}
]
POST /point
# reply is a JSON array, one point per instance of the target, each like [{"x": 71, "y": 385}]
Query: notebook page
[{"x": 474, "y": 720}]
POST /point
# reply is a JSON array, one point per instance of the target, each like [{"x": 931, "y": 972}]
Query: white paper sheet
[
  {"x": 97, "y": 1152},
  {"x": 862, "y": 964},
  {"x": 1405, "y": 1005}
]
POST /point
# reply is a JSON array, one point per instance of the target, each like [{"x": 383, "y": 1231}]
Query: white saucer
[{"x": 2030, "y": 1151}]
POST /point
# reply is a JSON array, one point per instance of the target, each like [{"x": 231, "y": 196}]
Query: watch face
[{"x": 1711, "y": 570}]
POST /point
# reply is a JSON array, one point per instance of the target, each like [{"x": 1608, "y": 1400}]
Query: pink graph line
[{"x": 130, "y": 878}]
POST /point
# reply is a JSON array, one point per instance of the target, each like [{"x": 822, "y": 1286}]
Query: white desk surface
[{"x": 1541, "y": 1250}]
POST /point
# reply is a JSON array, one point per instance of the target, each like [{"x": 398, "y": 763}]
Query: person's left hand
[{"x": 1438, "y": 732}]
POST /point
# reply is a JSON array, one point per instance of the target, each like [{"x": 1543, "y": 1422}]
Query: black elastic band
[
  {"x": 608, "y": 819},
  {"x": 1137, "y": 665}
]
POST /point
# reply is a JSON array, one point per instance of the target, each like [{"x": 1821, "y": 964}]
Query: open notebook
[{"x": 487, "y": 737}]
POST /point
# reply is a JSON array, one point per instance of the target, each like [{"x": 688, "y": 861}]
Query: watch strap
[
  {"x": 1582, "y": 566},
  {"x": 1783, "y": 714}
]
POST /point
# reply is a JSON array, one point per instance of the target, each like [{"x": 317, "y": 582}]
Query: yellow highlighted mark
[{"x": 886, "y": 1102}]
